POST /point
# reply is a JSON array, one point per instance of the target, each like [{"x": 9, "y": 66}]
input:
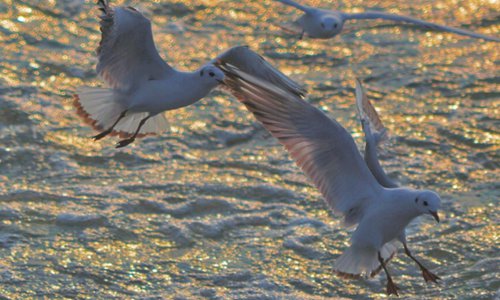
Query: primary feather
[{"x": 320, "y": 146}]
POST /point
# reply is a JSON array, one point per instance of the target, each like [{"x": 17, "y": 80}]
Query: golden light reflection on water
[{"x": 215, "y": 206}]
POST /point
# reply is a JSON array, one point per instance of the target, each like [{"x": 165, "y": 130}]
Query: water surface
[{"x": 215, "y": 208}]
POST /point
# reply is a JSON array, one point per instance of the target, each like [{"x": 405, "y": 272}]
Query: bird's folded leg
[
  {"x": 428, "y": 275},
  {"x": 128, "y": 141},
  {"x": 110, "y": 129},
  {"x": 391, "y": 287}
]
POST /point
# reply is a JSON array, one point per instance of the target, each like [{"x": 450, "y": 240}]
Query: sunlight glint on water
[{"x": 215, "y": 207}]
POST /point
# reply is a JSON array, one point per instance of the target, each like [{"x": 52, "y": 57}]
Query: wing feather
[
  {"x": 252, "y": 63},
  {"x": 368, "y": 113},
  {"x": 296, "y": 5},
  {"x": 127, "y": 54},
  {"x": 411, "y": 20},
  {"x": 320, "y": 146},
  {"x": 375, "y": 132}
]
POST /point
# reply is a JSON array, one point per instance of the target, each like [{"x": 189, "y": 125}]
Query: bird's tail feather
[
  {"x": 356, "y": 262},
  {"x": 99, "y": 108},
  {"x": 153, "y": 125}
]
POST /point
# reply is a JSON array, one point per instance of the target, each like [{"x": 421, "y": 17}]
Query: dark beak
[
  {"x": 221, "y": 81},
  {"x": 435, "y": 215}
]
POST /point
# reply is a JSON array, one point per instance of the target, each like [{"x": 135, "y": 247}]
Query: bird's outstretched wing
[
  {"x": 127, "y": 53},
  {"x": 375, "y": 132},
  {"x": 320, "y": 146},
  {"x": 406, "y": 19},
  {"x": 249, "y": 62},
  {"x": 296, "y": 5},
  {"x": 367, "y": 112}
]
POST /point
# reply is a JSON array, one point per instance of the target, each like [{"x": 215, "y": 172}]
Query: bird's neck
[{"x": 200, "y": 86}]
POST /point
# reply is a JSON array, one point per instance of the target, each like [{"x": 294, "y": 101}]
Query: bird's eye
[
  {"x": 211, "y": 74},
  {"x": 334, "y": 25},
  {"x": 416, "y": 200},
  {"x": 425, "y": 203},
  {"x": 323, "y": 25}
]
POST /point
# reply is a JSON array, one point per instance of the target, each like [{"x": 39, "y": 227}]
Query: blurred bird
[
  {"x": 327, "y": 154},
  {"x": 324, "y": 24},
  {"x": 143, "y": 86}
]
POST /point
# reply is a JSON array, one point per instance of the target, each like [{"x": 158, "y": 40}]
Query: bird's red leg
[
  {"x": 428, "y": 275},
  {"x": 391, "y": 287},
  {"x": 125, "y": 142},
  {"x": 110, "y": 129}
]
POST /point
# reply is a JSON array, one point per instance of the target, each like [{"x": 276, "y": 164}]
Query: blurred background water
[{"x": 215, "y": 208}]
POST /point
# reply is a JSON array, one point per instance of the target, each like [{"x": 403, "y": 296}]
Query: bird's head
[
  {"x": 428, "y": 202},
  {"x": 330, "y": 25},
  {"x": 211, "y": 75}
]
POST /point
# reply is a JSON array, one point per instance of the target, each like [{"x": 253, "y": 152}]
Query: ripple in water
[{"x": 215, "y": 208}]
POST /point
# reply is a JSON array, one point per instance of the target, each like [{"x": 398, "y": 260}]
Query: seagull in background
[
  {"x": 324, "y": 24},
  {"x": 327, "y": 154},
  {"x": 142, "y": 85}
]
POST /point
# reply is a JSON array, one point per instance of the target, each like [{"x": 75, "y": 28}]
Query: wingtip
[
  {"x": 103, "y": 6},
  {"x": 360, "y": 96}
]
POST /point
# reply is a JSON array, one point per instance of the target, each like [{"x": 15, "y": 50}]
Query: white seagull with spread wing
[
  {"x": 324, "y": 24},
  {"x": 327, "y": 154},
  {"x": 143, "y": 85}
]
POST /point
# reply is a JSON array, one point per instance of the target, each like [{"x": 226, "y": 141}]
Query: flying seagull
[
  {"x": 324, "y": 24},
  {"x": 327, "y": 154},
  {"x": 142, "y": 85}
]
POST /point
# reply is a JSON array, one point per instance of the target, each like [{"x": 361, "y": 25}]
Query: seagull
[
  {"x": 324, "y": 24},
  {"x": 142, "y": 85},
  {"x": 327, "y": 154}
]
